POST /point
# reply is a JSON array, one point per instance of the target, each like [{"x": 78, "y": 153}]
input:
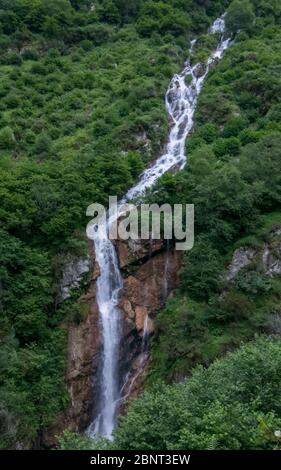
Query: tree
[
  {"x": 9, "y": 21},
  {"x": 109, "y": 12},
  {"x": 7, "y": 138},
  {"x": 51, "y": 27},
  {"x": 229, "y": 146},
  {"x": 222, "y": 407},
  {"x": 240, "y": 15},
  {"x": 163, "y": 18},
  {"x": 202, "y": 270},
  {"x": 43, "y": 144},
  {"x": 74, "y": 441},
  {"x": 80, "y": 4},
  {"x": 135, "y": 163},
  {"x": 128, "y": 8},
  {"x": 261, "y": 162}
]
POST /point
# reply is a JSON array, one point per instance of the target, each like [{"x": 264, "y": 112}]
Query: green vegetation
[
  {"x": 240, "y": 16},
  {"x": 74, "y": 441},
  {"x": 232, "y": 405},
  {"x": 233, "y": 178},
  {"x": 81, "y": 114}
]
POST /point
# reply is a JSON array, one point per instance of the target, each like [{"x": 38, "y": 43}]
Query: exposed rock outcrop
[
  {"x": 200, "y": 70},
  {"x": 150, "y": 281},
  {"x": 150, "y": 273},
  {"x": 72, "y": 276},
  {"x": 241, "y": 258},
  {"x": 83, "y": 352},
  {"x": 268, "y": 257},
  {"x": 134, "y": 381},
  {"x": 83, "y": 360},
  {"x": 271, "y": 258},
  {"x": 143, "y": 142}
]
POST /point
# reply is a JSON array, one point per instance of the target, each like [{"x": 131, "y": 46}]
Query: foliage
[
  {"x": 72, "y": 441},
  {"x": 222, "y": 407},
  {"x": 233, "y": 179},
  {"x": 7, "y": 138},
  {"x": 202, "y": 270},
  {"x": 253, "y": 282},
  {"x": 240, "y": 16},
  {"x": 81, "y": 115}
]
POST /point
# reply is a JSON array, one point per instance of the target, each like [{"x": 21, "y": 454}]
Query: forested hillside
[
  {"x": 233, "y": 178},
  {"x": 82, "y": 114}
]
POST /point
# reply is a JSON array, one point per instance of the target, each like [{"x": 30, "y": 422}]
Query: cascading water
[
  {"x": 181, "y": 100},
  {"x": 145, "y": 335},
  {"x": 109, "y": 284}
]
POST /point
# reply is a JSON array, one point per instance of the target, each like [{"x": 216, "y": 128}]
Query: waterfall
[
  {"x": 181, "y": 100},
  {"x": 145, "y": 335},
  {"x": 166, "y": 275},
  {"x": 109, "y": 284}
]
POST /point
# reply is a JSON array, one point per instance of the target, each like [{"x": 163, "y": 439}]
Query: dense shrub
[
  {"x": 233, "y": 179},
  {"x": 201, "y": 274},
  {"x": 7, "y": 138},
  {"x": 234, "y": 404},
  {"x": 78, "y": 86},
  {"x": 72, "y": 121},
  {"x": 240, "y": 15}
]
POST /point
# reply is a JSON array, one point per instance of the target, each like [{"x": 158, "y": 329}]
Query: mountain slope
[{"x": 82, "y": 112}]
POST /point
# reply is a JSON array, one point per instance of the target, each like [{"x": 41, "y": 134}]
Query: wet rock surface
[{"x": 150, "y": 274}]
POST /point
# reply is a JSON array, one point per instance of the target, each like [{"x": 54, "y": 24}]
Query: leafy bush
[
  {"x": 253, "y": 282},
  {"x": 86, "y": 45},
  {"x": 222, "y": 407},
  {"x": 30, "y": 54},
  {"x": 201, "y": 273},
  {"x": 240, "y": 15},
  {"x": 43, "y": 144},
  {"x": 230, "y": 146},
  {"x": 163, "y": 18},
  {"x": 7, "y": 138},
  {"x": 72, "y": 441},
  {"x": 11, "y": 58},
  {"x": 78, "y": 88}
]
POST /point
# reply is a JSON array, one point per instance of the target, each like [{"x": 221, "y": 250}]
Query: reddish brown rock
[
  {"x": 82, "y": 364},
  {"x": 133, "y": 251},
  {"x": 150, "y": 273},
  {"x": 141, "y": 315},
  {"x": 127, "y": 308},
  {"x": 83, "y": 349},
  {"x": 96, "y": 272},
  {"x": 152, "y": 282}
]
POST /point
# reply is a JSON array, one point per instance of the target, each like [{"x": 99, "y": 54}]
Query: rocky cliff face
[
  {"x": 150, "y": 272},
  {"x": 267, "y": 257}
]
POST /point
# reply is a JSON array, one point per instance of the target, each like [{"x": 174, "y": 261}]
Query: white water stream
[{"x": 181, "y": 100}]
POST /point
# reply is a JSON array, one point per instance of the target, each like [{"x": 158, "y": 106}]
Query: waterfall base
[{"x": 145, "y": 292}]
